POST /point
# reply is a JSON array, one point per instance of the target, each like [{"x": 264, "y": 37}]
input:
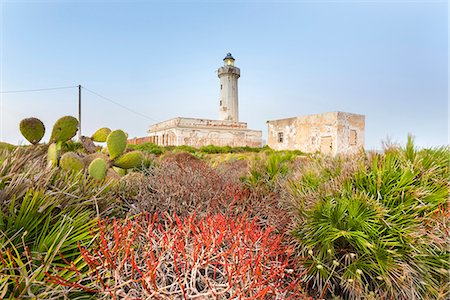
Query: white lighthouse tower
[{"x": 229, "y": 74}]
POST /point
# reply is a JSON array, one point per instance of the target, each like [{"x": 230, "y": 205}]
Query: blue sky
[{"x": 385, "y": 59}]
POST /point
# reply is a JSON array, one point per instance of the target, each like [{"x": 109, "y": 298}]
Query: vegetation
[
  {"x": 220, "y": 222},
  {"x": 148, "y": 148},
  {"x": 210, "y": 149},
  {"x": 6, "y": 146},
  {"x": 98, "y": 161},
  {"x": 164, "y": 257},
  {"x": 45, "y": 215},
  {"x": 381, "y": 230}
]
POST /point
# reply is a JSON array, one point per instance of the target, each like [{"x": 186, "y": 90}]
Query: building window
[
  {"x": 221, "y": 86},
  {"x": 280, "y": 137},
  {"x": 220, "y": 102},
  {"x": 352, "y": 138}
]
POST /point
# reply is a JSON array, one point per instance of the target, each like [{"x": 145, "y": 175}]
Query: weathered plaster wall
[
  {"x": 201, "y": 132},
  {"x": 289, "y": 130},
  {"x": 330, "y": 133},
  {"x": 350, "y": 135},
  {"x": 228, "y": 101}
]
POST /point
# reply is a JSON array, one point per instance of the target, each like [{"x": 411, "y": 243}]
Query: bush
[
  {"x": 6, "y": 146},
  {"x": 72, "y": 146},
  {"x": 380, "y": 229},
  {"x": 36, "y": 238},
  {"x": 266, "y": 169},
  {"x": 183, "y": 184},
  {"x": 211, "y": 149},
  {"x": 147, "y": 148},
  {"x": 45, "y": 214},
  {"x": 185, "y": 148},
  {"x": 158, "y": 256}
]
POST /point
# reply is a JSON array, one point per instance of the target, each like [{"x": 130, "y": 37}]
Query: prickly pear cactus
[
  {"x": 64, "y": 129},
  {"x": 110, "y": 162},
  {"x": 97, "y": 168},
  {"x": 129, "y": 160},
  {"x": 52, "y": 155},
  {"x": 32, "y": 129},
  {"x": 117, "y": 143},
  {"x": 71, "y": 161},
  {"x": 87, "y": 159},
  {"x": 101, "y": 135},
  {"x": 120, "y": 171}
]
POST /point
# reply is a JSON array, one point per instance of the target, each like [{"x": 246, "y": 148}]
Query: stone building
[
  {"x": 330, "y": 133},
  {"x": 227, "y": 131}
]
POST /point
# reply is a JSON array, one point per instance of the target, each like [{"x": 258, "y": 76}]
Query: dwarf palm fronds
[
  {"x": 383, "y": 231},
  {"x": 267, "y": 169},
  {"x": 45, "y": 214},
  {"x": 35, "y": 237}
]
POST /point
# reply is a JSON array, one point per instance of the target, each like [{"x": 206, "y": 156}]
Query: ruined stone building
[
  {"x": 227, "y": 131},
  {"x": 330, "y": 133}
]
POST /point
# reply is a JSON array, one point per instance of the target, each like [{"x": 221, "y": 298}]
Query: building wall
[
  {"x": 330, "y": 133},
  {"x": 350, "y": 132},
  {"x": 228, "y": 101},
  {"x": 140, "y": 140},
  {"x": 201, "y": 132}
]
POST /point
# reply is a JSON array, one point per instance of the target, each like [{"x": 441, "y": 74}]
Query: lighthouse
[
  {"x": 227, "y": 131},
  {"x": 229, "y": 75}
]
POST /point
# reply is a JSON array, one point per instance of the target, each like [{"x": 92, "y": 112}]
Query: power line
[
  {"x": 118, "y": 104},
  {"x": 39, "y": 90},
  {"x": 76, "y": 86}
]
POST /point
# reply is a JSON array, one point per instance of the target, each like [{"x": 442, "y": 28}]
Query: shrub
[
  {"x": 158, "y": 256},
  {"x": 212, "y": 149},
  {"x": 36, "y": 237},
  {"x": 45, "y": 214},
  {"x": 72, "y": 146},
  {"x": 233, "y": 166},
  {"x": 266, "y": 169},
  {"x": 148, "y": 148},
  {"x": 6, "y": 146},
  {"x": 380, "y": 229},
  {"x": 183, "y": 184},
  {"x": 242, "y": 149},
  {"x": 185, "y": 148}
]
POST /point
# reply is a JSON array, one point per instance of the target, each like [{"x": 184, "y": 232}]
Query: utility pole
[{"x": 79, "y": 112}]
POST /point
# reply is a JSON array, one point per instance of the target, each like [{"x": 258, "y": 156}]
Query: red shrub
[
  {"x": 184, "y": 185},
  {"x": 163, "y": 257}
]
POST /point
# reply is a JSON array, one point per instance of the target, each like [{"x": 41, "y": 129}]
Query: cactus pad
[
  {"x": 117, "y": 143},
  {"x": 129, "y": 160},
  {"x": 97, "y": 168},
  {"x": 52, "y": 155},
  {"x": 71, "y": 161},
  {"x": 120, "y": 171},
  {"x": 32, "y": 129},
  {"x": 101, "y": 135},
  {"x": 64, "y": 129}
]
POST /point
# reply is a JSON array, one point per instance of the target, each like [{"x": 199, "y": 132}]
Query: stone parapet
[{"x": 197, "y": 123}]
